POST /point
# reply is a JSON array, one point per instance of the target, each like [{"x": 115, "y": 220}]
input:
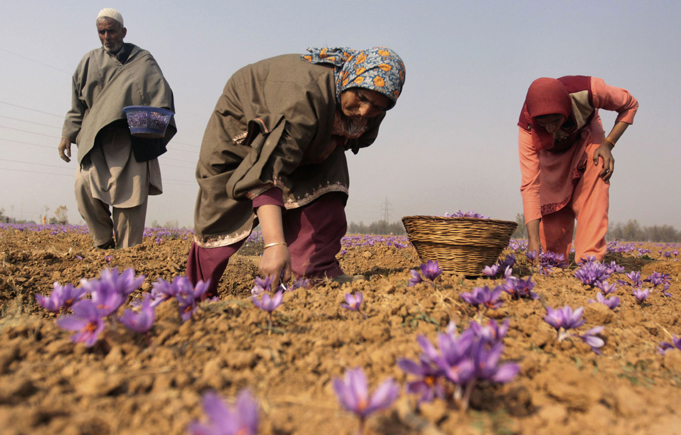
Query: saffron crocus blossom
[
  {"x": 353, "y": 394},
  {"x": 61, "y": 297},
  {"x": 415, "y": 278},
  {"x": 354, "y": 302},
  {"x": 613, "y": 267},
  {"x": 265, "y": 285},
  {"x": 484, "y": 296},
  {"x": 107, "y": 299},
  {"x": 491, "y": 271},
  {"x": 519, "y": 288},
  {"x": 591, "y": 273},
  {"x": 531, "y": 255},
  {"x": 612, "y": 302},
  {"x": 657, "y": 279},
  {"x": 665, "y": 291},
  {"x": 635, "y": 278},
  {"x": 549, "y": 260},
  {"x": 431, "y": 270},
  {"x": 162, "y": 291},
  {"x": 641, "y": 294},
  {"x": 486, "y": 363},
  {"x": 468, "y": 214},
  {"x": 262, "y": 285},
  {"x": 492, "y": 332},
  {"x": 141, "y": 321},
  {"x": 564, "y": 318},
  {"x": 606, "y": 287},
  {"x": 428, "y": 384},
  {"x": 188, "y": 296},
  {"x": 86, "y": 319},
  {"x": 665, "y": 345},
  {"x": 268, "y": 303},
  {"x": 590, "y": 337},
  {"x": 299, "y": 283},
  {"x": 242, "y": 419},
  {"x": 124, "y": 283}
]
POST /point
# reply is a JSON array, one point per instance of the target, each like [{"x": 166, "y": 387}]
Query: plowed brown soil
[{"x": 48, "y": 385}]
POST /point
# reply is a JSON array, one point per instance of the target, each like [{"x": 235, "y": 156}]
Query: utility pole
[{"x": 386, "y": 210}]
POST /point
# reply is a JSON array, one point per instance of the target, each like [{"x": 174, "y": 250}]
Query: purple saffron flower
[
  {"x": 431, "y": 270},
  {"x": 262, "y": 285},
  {"x": 162, "y": 291},
  {"x": 141, "y": 321},
  {"x": 665, "y": 345},
  {"x": 665, "y": 291},
  {"x": 484, "y": 296},
  {"x": 415, "y": 278},
  {"x": 612, "y": 302},
  {"x": 592, "y": 272},
  {"x": 635, "y": 278},
  {"x": 641, "y": 294},
  {"x": 486, "y": 363},
  {"x": 613, "y": 267},
  {"x": 61, "y": 297},
  {"x": 87, "y": 319},
  {"x": 531, "y": 255},
  {"x": 353, "y": 394},
  {"x": 491, "y": 271},
  {"x": 268, "y": 303},
  {"x": 189, "y": 296},
  {"x": 564, "y": 317},
  {"x": 590, "y": 338},
  {"x": 107, "y": 299},
  {"x": 265, "y": 285},
  {"x": 492, "y": 333},
  {"x": 299, "y": 283},
  {"x": 519, "y": 288},
  {"x": 429, "y": 385},
  {"x": 242, "y": 419},
  {"x": 606, "y": 287},
  {"x": 354, "y": 302},
  {"x": 124, "y": 283},
  {"x": 657, "y": 279},
  {"x": 455, "y": 359}
]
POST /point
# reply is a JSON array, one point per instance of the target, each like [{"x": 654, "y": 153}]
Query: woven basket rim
[{"x": 442, "y": 218}]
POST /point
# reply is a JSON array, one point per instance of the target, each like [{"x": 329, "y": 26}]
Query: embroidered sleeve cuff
[{"x": 272, "y": 196}]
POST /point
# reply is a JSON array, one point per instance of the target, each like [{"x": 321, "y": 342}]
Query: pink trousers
[
  {"x": 589, "y": 205},
  {"x": 313, "y": 234}
]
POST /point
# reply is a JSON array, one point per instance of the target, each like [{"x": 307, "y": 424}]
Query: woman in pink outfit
[{"x": 566, "y": 161}]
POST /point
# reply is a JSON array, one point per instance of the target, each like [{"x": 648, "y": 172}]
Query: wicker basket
[{"x": 460, "y": 245}]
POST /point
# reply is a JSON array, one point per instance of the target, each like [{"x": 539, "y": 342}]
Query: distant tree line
[
  {"x": 379, "y": 227},
  {"x": 631, "y": 231}
]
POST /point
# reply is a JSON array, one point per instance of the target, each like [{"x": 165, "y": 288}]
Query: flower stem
[{"x": 467, "y": 395}]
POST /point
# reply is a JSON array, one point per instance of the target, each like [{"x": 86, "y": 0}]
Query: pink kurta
[{"x": 551, "y": 180}]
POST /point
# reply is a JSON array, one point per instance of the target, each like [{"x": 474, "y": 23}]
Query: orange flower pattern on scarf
[{"x": 379, "y": 69}]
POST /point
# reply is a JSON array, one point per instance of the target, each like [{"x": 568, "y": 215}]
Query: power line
[
  {"x": 32, "y": 110},
  {"x": 36, "y": 172},
  {"x": 30, "y": 122},
  {"x": 36, "y": 61},
  {"x": 28, "y": 143},
  {"x": 32, "y": 132},
  {"x": 38, "y": 164}
]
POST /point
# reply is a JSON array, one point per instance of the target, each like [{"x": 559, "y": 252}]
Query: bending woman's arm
[
  {"x": 529, "y": 187},
  {"x": 620, "y": 101}
]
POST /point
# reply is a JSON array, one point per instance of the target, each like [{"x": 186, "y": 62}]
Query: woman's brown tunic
[{"x": 271, "y": 127}]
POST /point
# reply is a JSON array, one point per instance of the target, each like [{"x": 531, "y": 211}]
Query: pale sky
[{"x": 449, "y": 144}]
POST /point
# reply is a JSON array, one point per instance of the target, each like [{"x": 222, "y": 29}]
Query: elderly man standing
[{"x": 116, "y": 171}]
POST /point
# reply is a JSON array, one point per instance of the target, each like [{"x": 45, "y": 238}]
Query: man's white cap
[{"x": 111, "y": 13}]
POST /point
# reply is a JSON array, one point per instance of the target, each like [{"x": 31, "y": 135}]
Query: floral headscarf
[{"x": 379, "y": 69}]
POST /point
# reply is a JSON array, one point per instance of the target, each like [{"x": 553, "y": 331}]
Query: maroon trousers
[{"x": 313, "y": 234}]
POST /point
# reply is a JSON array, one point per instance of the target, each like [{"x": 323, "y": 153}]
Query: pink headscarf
[{"x": 546, "y": 97}]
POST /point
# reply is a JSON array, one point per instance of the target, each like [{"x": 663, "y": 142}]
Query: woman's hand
[
  {"x": 604, "y": 152},
  {"x": 533, "y": 238},
  {"x": 274, "y": 260}
]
